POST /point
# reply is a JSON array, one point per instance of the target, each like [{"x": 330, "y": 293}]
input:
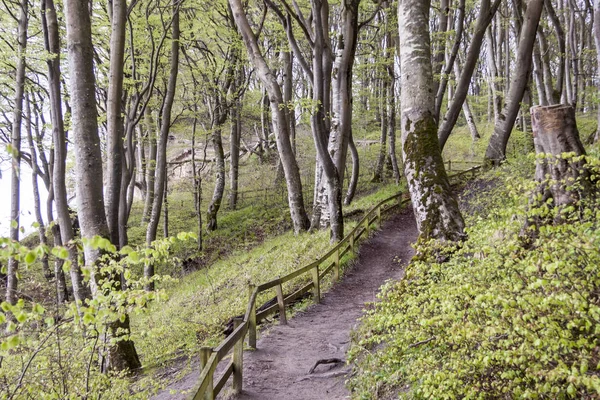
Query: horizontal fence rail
[{"x": 209, "y": 388}]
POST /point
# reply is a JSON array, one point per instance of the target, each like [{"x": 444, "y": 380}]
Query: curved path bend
[{"x": 279, "y": 368}]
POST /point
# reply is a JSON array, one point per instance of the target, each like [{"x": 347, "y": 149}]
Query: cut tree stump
[{"x": 554, "y": 134}]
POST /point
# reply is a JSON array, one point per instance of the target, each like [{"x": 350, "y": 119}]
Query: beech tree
[
  {"x": 496, "y": 150},
  {"x": 121, "y": 354},
  {"x": 15, "y": 186},
  {"x": 434, "y": 205},
  {"x": 280, "y": 118}
]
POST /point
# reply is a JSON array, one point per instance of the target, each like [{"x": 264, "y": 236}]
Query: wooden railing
[{"x": 330, "y": 262}]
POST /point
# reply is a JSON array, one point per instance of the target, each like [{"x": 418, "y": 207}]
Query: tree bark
[
  {"x": 562, "y": 50},
  {"x": 150, "y": 165},
  {"x": 436, "y": 210},
  {"x": 36, "y": 192},
  {"x": 15, "y": 185},
  {"x": 66, "y": 234},
  {"x": 597, "y": 43},
  {"x": 114, "y": 119},
  {"x": 90, "y": 200},
  {"x": 554, "y": 134},
  {"x": 280, "y": 124},
  {"x": 486, "y": 14},
  {"x": 355, "y": 172},
  {"x": 215, "y": 203},
  {"x": 161, "y": 153},
  {"x": 496, "y": 150}
]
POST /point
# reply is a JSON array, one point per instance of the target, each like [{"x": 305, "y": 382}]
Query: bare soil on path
[{"x": 279, "y": 368}]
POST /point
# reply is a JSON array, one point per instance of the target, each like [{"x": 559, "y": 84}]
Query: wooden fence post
[
  {"x": 379, "y": 215},
  {"x": 205, "y": 353},
  {"x": 252, "y": 321},
  {"x": 316, "y": 284},
  {"x": 336, "y": 271},
  {"x": 238, "y": 359},
  {"x": 367, "y": 225},
  {"x": 281, "y": 304}
]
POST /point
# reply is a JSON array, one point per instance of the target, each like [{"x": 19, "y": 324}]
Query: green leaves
[{"x": 515, "y": 322}]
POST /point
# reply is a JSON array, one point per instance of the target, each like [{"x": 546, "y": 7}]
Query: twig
[
  {"x": 422, "y": 342},
  {"x": 325, "y": 361}
]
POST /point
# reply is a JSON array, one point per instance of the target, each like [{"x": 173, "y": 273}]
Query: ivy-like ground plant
[{"x": 498, "y": 320}]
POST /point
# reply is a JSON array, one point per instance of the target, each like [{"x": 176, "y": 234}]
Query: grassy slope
[
  {"x": 253, "y": 244},
  {"x": 496, "y": 320}
]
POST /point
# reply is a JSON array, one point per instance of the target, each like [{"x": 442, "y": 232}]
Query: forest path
[{"x": 278, "y": 369}]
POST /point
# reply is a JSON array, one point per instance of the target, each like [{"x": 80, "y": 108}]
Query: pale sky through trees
[{"x": 27, "y": 207}]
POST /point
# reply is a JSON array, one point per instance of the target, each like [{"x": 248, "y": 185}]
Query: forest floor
[{"x": 279, "y": 368}]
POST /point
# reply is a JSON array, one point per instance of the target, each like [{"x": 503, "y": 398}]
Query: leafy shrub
[{"x": 497, "y": 320}]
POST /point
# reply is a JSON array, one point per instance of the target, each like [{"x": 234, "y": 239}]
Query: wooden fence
[{"x": 330, "y": 262}]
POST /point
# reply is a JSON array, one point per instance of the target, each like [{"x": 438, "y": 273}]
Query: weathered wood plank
[
  {"x": 223, "y": 379},
  {"x": 226, "y": 345}
]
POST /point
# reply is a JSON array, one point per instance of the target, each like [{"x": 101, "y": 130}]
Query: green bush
[{"x": 498, "y": 320}]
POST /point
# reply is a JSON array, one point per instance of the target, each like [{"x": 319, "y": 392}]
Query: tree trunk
[
  {"x": 90, "y": 200},
  {"x": 486, "y": 14},
  {"x": 66, "y": 236},
  {"x": 114, "y": 118},
  {"x": 161, "y": 153},
  {"x": 280, "y": 124},
  {"x": 441, "y": 88},
  {"x": 150, "y": 165},
  {"x": 538, "y": 75},
  {"x": 36, "y": 192},
  {"x": 555, "y": 133},
  {"x": 436, "y": 210},
  {"x": 597, "y": 43},
  {"x": 562, "y": 50},
  {"x": 355, "y": 172},
  {"x": 15, "y": 186},
  {"x": 217, "y": 141},
  {"x": 234, "y": 144},
  {"x": 383, "y": 109},
  {"x": 496, "y": 150}
]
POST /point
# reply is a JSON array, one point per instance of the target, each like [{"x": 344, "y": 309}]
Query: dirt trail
[{"x": 278, "y": 369}]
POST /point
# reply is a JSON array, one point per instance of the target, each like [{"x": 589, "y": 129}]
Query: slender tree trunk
[
  {"x": 67, "y": 235},
  {"x": 494, "y": 76},
  {"x": 15, "y": 185},
  {"x": 234, "y": 141},
  {"x": 434, "y": 205},
  {"x": 280, "y": 124},
  {"x": 486, "y": 14},
  {"x": 496, "y": 150},
  {"x": 215, "y": 203},
  {"x": 441, "y": 88},
  {"x": 150, "y": 165},
  {"x": 121, "y": 354},
  {"x": 383, "y": 109},
  {"x": 161, "y": 157},
  {"x": 197, "y": 180},
  {"x": 597, "y": 43},
  {"x": 355, "y": 172},
  {"x": 36, "y": 192},
  {"x": 538, "y": 74},
  {"x": 562, "y": 50},
  {"x": 114, "y": 118}
]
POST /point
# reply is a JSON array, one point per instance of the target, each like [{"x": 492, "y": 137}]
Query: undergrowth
[{"x": 499, "y": 319}]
